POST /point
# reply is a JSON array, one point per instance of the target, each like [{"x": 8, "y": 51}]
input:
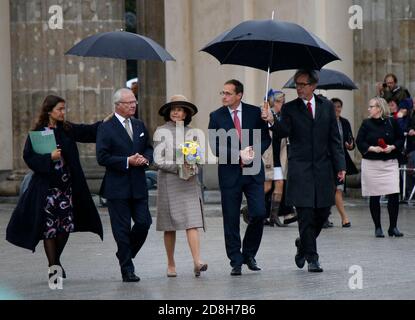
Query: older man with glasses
[
  {"x": 315, "y": 149},
  {"x": 124, "y": 149}
]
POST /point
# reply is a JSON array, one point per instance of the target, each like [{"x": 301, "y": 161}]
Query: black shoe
[
  {"x": 299, "y": 257},
  {"x": 236, "y": 271},
  {"x": 379, "y": 233},
  {"x": 268, "y": 222},
  {"x": 395, "y": 233},
  {"x": 291, "y": 220},
  {"x": 130, "y": 277},
  {"x": 327, "y": 224},
  {"x": 251, "y": 263},
  {"x": 346, "y": 225},
  {"x": 314, "y": 266}
]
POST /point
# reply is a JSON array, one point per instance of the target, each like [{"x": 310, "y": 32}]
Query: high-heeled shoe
[
  {"x": 171, "y": 274},
  {"x": 395, "y": 233},
  {"x": 379, "y": 233},
  {"x": 199, "y": 268}
]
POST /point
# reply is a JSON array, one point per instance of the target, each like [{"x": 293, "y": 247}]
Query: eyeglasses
[
  {"x": 301, "y": 84},
  {"x": 127, "y": 102},
  {"x": 226, "y": 93}
]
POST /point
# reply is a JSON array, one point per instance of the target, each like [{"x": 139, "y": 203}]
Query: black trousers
[
  {"x": 231, "y": 206},
  {"x": 310, "y": 223},
  {"x": 129, "y": 239}
]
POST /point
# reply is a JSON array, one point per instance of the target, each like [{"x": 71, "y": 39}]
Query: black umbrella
[
  {"x": 270, "y": 46},
  {"x": 329, "y": 80},
  {"x": 120, "y": 45}
]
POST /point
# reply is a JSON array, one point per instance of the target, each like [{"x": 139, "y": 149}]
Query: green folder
[{"x": 43, "y": 141}]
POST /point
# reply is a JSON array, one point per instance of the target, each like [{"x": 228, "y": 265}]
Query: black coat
[
  {"x": 315, "y": 151},
  {"x": 114, "y": 146},
  {"x": 28, "y": 219},
  {"x": 348, "y": 137},
  {"x": 251, "y": 119},
  {"x": 371, "y": 130}
]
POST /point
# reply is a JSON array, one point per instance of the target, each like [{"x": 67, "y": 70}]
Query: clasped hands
[
  {"x": 247, "y": 155},
  {"x": 377, "y": 149},
  {"x": 137, "y": 160}
]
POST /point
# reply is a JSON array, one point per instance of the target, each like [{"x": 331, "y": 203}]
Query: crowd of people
[{"x": 302, "y": 151}]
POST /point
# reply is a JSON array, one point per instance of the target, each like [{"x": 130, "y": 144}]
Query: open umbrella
[
  {"x": 328, "y": 80},
  {"x": 120, "y": 45},
  {"x": 270, "y": 46}
]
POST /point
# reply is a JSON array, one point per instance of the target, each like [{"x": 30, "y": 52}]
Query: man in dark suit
[
  {"x": 239, "y": 137},
  {"x": 124, "y": 149},
  {"x": 315, "y": 149}
]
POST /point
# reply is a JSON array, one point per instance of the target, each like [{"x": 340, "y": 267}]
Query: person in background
[
  {"x": 380, "y": 140},
  {"x": 346, "y": 136}
]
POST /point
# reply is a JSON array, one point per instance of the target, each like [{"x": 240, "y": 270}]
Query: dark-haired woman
[{"x": 57, "y": 200}]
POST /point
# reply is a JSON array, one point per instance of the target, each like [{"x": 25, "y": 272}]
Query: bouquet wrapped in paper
[{"x": 191, "y": 154}]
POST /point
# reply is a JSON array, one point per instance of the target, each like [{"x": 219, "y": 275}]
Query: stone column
[
  {"x": 39, "y": 66},
  {"x": 6, "y": 137},
  {"x": 152, "y": 74}
]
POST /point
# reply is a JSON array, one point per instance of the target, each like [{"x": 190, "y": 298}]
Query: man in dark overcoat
[{"x": 315, "y": 151}]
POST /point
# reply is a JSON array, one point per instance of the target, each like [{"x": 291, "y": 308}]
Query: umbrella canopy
[
  {"x": 270, "y": 45},
  {"x": 329, "y": 80},
  {"x": 120, "y": 45}
]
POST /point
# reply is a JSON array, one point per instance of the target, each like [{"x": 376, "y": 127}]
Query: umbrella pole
[{"x": 266, "y": 91}]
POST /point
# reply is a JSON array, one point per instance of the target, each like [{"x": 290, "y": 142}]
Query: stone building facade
[{"x": 33, "y": 64}]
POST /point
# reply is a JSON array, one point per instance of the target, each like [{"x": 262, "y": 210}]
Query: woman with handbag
[{"x": 380, "y": 140}]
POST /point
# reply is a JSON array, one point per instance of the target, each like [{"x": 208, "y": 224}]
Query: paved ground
[{"x": 387, "y": 265}]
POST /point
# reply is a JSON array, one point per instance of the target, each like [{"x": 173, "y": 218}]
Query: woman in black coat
[
  {"x": 57, "y": 200},
  {"x": 380, "y": 141}
]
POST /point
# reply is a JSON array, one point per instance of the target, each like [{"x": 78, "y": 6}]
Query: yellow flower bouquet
[{"x": 191, "y": 153}]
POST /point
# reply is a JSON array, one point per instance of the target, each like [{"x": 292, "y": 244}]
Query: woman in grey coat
[{"x": 179, "y": 200}]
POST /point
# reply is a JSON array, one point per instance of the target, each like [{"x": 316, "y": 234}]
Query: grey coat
[
  {"x": 179, "y": 202},
  {"x": 315, "y": 152}
]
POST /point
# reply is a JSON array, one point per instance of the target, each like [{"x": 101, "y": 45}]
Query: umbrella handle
[{"x": 266, "y": 91}]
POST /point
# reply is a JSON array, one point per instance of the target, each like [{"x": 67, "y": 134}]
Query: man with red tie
[
  {"x": 238, "y": 137},
  {"x": 315, "y": 151}
]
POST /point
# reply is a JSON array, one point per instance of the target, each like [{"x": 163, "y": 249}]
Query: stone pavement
[{"x": 93, "y": 271}]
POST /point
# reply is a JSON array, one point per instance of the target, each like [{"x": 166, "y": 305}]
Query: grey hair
[
  {"x": 118, "y": 94},
  {"x": 312, "y": 75},
  {"x": 383, "y": 106}
]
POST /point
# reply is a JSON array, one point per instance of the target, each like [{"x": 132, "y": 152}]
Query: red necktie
[
  {"x": 237, "y": 123},
  {"x": 309, "y": 109}
]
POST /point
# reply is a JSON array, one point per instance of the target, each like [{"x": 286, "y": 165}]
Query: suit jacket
[
  {"x": 114, "y": 146},
  {"x": 315, "y": 150},
  {"x": 348, "y": 137},
  {"x": 251, "y": 119}
]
